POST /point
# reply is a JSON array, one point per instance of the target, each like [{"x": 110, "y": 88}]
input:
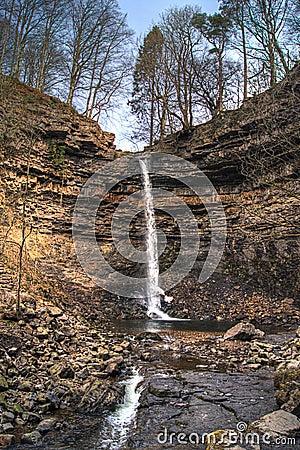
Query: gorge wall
[{"x": 251, "y": 156}]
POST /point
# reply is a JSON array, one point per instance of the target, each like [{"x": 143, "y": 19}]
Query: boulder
[
  {"x": 6, "y": 440},
  {"x": 32, "y": 438},
  {"x": 46, "y": 425},
  {"x": 277, "y": 424},
  {"x": 243, "y": 331},
  {"x": 148, "y": 336},
  {"x": 287, "y": 385}
]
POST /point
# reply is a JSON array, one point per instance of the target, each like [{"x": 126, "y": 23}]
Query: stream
[{"x": 175, "y": 387}]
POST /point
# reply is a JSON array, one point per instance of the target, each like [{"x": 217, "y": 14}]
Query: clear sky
[{"x": 142, "y": 14}]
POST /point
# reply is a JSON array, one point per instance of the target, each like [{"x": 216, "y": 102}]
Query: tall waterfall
[{"x": 153, "y": 289}]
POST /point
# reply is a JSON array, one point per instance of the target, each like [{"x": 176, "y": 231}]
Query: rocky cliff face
[
  {"x": 48, "y": 151},
  {"x": 250, "y": 155}
]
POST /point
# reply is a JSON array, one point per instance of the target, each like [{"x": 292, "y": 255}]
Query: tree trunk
[
  {"x": 152, "y": 114},
  {"x": 245, "y": 64},
  {"x": 220, "y": 82}
]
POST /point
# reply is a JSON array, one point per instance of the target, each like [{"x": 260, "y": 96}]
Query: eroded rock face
[
  {"x": 261, "y": 208},
  {"x": 68, "y": 148}
]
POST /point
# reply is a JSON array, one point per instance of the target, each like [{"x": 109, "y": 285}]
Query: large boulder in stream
[
  {"x": 277, "y": 424},
  {"x": 243, "y": 331}
]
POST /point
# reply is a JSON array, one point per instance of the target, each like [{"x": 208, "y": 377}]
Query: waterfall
[{"x": 153, "y": 289}]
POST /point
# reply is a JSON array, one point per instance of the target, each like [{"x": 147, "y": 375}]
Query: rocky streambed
[
  {"x": 145, "y": 384},
  {"x": 196, "y": 382},
  {"x": 56, "y": 372}
]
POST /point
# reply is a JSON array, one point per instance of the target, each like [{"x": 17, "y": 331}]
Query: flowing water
[
  {"x": 123, "y": 417},
  {"x": 153, "y": 289}
]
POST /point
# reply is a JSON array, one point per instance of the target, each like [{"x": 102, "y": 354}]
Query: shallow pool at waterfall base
[{"x": 213, "y": 327}]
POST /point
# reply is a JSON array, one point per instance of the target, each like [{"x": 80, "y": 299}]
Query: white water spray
[
  {"x": 121, "y": 420},
  {"x": 153, "y": 289}
]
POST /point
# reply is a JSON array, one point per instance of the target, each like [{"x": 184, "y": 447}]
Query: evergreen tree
[{"x": 148, "y": 101}]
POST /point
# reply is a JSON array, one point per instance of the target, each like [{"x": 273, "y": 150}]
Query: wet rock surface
[
  {"x": 195, "y": 402},
  {"x": 184, "y": 402}
]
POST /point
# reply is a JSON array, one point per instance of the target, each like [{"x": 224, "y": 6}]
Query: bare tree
[
  {"x": 216, "y": 29},
  {"x": 182, "y": 44},
  {"x": 236, "y": 10},
  {"x": 266, "y": 22},
  {"x": 52, "y": 30}
]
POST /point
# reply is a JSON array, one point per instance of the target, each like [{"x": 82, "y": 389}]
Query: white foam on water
[{"x": 123, "y": 418}]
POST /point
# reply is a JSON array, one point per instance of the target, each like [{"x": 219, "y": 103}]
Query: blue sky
[{"x": 142, "y": 14}]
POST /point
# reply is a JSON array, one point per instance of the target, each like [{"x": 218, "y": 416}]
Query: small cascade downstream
[
  {"x": 123, "y": 418},
  {"x": 153, "y": 289}
]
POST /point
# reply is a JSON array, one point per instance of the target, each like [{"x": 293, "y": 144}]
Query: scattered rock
[
  {"x": 55, "y": 312},
  {"x": 63, "y": 370},
  {"x": 287, "y": 381},
  {"x": 41, "y": 333},
  {"x": 46, "y": 425},
  {"x": 148, "y": 336},
  {"x": 26, "y": 386},
  {"x": 3, "y": 383},
  {"x": 7, "y": 416},
  {"x": 6, "y": 427},
  {"x": 113, "y": 365},
  {"x": 225, "y": 439},
  {"x": 6, "y": 440}
]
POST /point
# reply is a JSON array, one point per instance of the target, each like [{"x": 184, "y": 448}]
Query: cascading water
[
  {"x": 120, "y": 421},
  {"x": 153, "y": 289}
]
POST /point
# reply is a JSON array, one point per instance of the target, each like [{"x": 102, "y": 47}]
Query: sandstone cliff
[
  {"x": 251, "y": 155},
  {"x": 48, "y": 150}
]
